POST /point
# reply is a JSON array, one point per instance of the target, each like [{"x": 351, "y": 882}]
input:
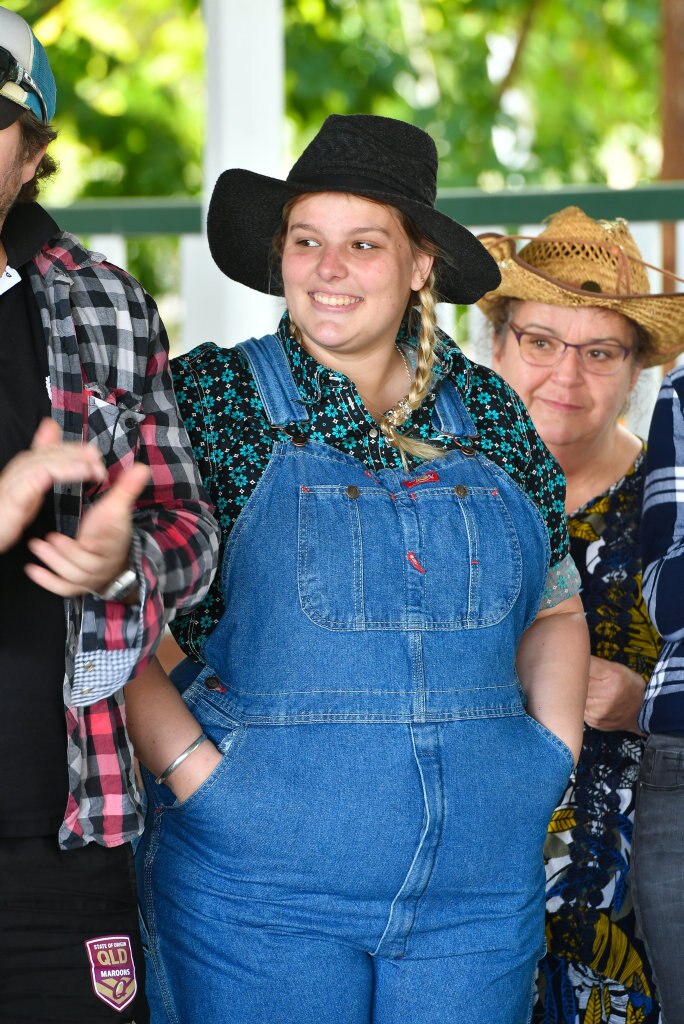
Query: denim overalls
[{"x": 370, "y": 847}]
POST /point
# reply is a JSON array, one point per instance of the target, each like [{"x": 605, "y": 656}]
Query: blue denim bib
[{"x": 360, "y": 596}]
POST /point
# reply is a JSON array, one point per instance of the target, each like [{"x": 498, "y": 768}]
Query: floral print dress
[{"x": 595, "y": 969}]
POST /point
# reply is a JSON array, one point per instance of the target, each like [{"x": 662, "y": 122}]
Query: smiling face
[
  {"x": 348, "y": 271},
  {"x": 568, "y": 404}
]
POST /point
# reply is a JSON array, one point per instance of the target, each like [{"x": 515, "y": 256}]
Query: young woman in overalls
[{"x": 391, "y": 669}]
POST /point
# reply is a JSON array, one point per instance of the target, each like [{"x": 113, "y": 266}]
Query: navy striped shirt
[{"x": 662, "y": 527}]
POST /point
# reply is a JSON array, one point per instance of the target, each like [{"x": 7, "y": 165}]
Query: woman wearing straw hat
[
  {"x": 394, "y": 541},
  {"x": 574, "y": 323}
]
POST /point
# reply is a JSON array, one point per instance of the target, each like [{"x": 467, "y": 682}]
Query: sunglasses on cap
[{"x": 12, "y": 71}]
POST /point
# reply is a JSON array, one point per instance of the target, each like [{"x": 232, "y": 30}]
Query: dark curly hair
[{"x": 35, "y": 135}]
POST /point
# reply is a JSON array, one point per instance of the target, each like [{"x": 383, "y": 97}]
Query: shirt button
[
  {"x": 461, "y": 490},
  {"x": 353, "y": 491},
  {"x": 89, "y": 666},
  {"x": 212, "y": 683},
  {"x": 130, "y": 422},
  {"x": 373, "y": 433}
]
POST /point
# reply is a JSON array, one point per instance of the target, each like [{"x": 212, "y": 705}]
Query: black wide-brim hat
[{"x": 361, "y": 154}]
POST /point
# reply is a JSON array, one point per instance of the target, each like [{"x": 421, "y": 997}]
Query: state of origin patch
[{"x": 112, "y": 970}]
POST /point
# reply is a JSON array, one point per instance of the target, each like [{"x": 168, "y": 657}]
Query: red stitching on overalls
[{"x": 411, "y": 555}]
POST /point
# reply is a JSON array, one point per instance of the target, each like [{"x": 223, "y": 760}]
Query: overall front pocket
[{"x": 444, "y": 558}]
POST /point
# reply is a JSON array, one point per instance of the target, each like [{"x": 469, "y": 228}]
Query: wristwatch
[{"x": 124, "y": 584}]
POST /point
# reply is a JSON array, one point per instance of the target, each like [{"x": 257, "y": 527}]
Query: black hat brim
[{"x": 245, "y": 214}]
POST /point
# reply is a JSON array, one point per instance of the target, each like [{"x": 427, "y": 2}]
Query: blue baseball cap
[{"x": 26, "y": 80}]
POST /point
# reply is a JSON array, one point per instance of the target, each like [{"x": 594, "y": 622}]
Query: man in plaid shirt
[
  {"x": 658, "y": 852},
  {"x": 100, "y": 546}
]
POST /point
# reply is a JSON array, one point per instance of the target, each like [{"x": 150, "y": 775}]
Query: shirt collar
[
  {"x": 309, "y": 375},
  {"x": 26, "y": 229}
]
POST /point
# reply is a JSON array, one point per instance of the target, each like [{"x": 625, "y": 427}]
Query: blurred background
[{"x": 532, "y": 104}]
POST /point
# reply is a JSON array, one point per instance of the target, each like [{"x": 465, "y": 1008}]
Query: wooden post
[{"x": 672, "y": 106}]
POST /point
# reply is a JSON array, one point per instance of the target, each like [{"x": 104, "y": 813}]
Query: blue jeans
[
  {"x": 352, "y": 873},
  {"x": 658, "y": 868}
]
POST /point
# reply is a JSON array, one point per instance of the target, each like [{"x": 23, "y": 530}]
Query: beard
[{"x": 10, "y": 185}]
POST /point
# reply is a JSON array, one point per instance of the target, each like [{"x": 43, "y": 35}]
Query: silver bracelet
[{"x": 181, "y": 757}]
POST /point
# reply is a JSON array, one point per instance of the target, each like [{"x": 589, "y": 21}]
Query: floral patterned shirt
[{"x": 232, "y": 443}]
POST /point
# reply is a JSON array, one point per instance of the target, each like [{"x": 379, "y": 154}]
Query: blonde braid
[
  {"x": 427, "y": 338},
  {"x": 420, "y": 386}
]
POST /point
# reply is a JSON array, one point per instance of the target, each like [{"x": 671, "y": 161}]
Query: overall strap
[
  {"x": 450, "y": 414},
  {"x": 273, "y": 377}
]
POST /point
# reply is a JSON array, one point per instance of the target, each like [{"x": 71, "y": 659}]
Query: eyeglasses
[
  {"x": 12, "y": 71},
  {"x": 601, "y": 357}
]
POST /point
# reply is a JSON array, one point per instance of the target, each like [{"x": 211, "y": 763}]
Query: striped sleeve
[{"x": 663, "y": 513}]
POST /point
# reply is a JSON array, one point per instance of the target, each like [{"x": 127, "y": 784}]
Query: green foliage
[
  {"x": 513, "y": 91},
  {"x": 583, "y": 90},
  {"x": 130, "y": 107},
  {"x": 130, "y": 100}
]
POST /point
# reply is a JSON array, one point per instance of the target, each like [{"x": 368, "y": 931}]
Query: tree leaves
[{"x": 514, "y": 91}]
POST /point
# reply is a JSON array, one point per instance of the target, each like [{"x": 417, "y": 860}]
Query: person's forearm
[
  {"x": 177, "y": 534},
  {"x": 553, "y": 666},
  {"x": 161, "y": 727}
]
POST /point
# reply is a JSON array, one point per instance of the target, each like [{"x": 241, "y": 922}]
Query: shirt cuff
[{"x": 562, "y": 582}]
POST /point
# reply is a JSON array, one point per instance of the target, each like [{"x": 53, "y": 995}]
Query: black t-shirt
[{"x": 33, "y": 765}]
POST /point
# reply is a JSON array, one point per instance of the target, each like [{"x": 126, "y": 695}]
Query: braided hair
[{"x": 427, "y": 337}]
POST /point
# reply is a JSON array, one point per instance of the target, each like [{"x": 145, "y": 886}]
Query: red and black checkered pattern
[{"x": 111, "y": 386}]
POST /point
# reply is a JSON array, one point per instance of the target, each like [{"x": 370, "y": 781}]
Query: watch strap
[{"x": 121, "y": 587}]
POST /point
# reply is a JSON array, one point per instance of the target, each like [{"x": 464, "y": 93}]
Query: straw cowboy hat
[
  {"x": 577, "y": 261},
  {"x": 362, "y": 154}
]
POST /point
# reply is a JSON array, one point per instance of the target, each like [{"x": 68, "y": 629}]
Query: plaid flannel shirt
[
  {"x": 662, "y": 530},
  {"x": 110, "y": 385}
]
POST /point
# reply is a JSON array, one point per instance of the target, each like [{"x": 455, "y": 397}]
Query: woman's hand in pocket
[
  {"x": 553, "y": 665},
  {"x": 195, "y": 770},
  {"x": 161, "y": 727}
]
